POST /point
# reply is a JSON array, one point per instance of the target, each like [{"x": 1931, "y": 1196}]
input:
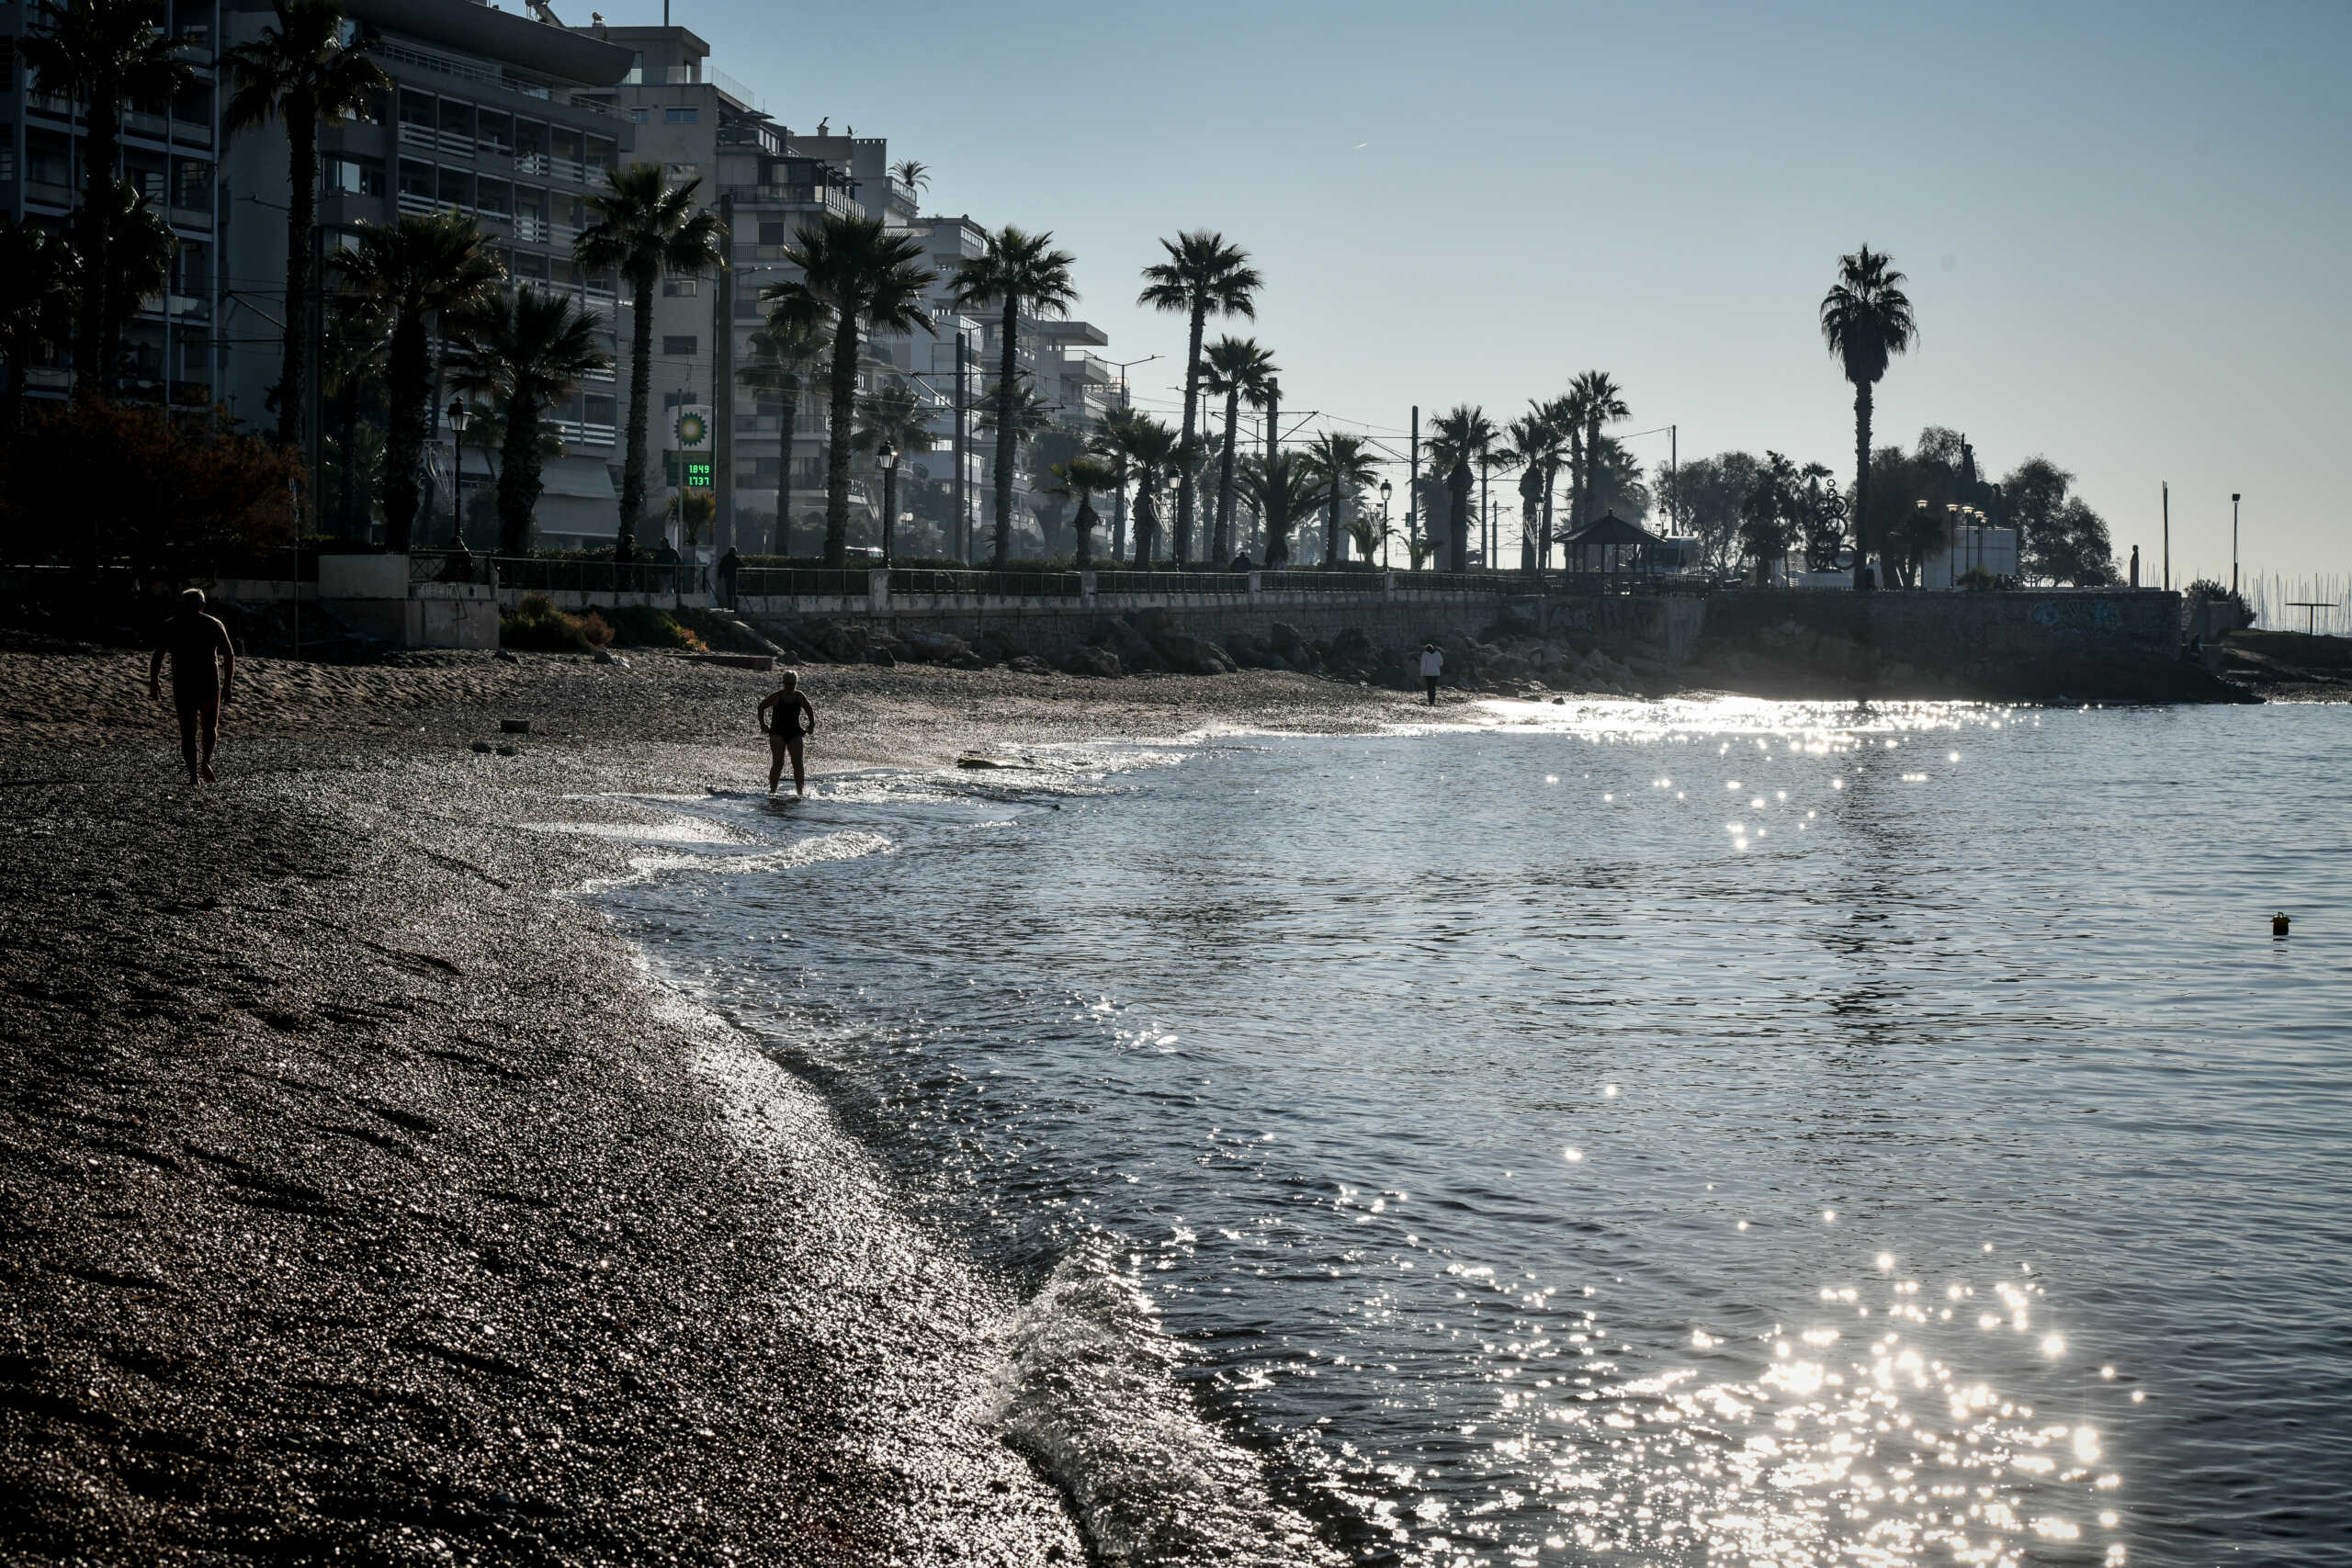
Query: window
[
  {"x": 600, "y": 152},
  {"x": 674, "y": 116},
  {"x": 456, "y": 120},
  {"x": 494, "y": 196},
  {"x": 772, "y": 233},
  {"x": 680, "y": 287},
  {"x": 530, "y": 142},
  {"x": 496, "y": 131},
  {"x": 528, "y": 267},
  {"x": 641, "y": 114},
  {"x": 417, "y": 110},
  {"x": 599, "y": 410},
  {"x": 683, "y": 347},
  {"x": 681, "y": 172},
  {"x": 416, "y": 179},
  {"x": 9, "y": 151},
  {"x": 346, "y": 175},
  {"x": 456, "y": 188}
]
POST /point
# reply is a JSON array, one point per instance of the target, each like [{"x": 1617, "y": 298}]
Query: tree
[
  {"x": 140, "y": 249},
  {"x": 1202, "y": 274},
  {"x": 2059, "y": 538},
  {"x": 1535, "y": 446},
  {"x": 104, "y": 55},
  {"x": 352, "y": 370},
  {"x": 411, "y": 271},
  {"x": 855, "y": 277},
  {"x": 1147, "y": 447},
  {"x": 1084, "y": 477},
  {"x": 1238, "y": 371},
  {"x": 784, "y": 355},
  {"x": 1713, "y": 492},
  {"x": 36, "y": 311},
  {"x": 1462, "y": 434},
  {"x": 1766, "y": 515},
  {"x": 527, "y": 351},
  {"x": 1866, "y": 320},
  {"x": 299, "y": 72},
  {"x": 1615, "y": 482},
  {"x": 1016, "y": 271},
  {"x": 914, "y": 176},
  {"x": 643, "y": 228},
  {"x": 1341, "y": 465},
  {"x": 1282, "y": 488},
  {"x": 897, "y": 417},
  {"x": 1598, "y": 400}
]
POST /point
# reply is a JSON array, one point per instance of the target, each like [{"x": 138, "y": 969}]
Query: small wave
[
  {"x": 1092, "y": 1397},
  {"x": 846, "y": 845}
]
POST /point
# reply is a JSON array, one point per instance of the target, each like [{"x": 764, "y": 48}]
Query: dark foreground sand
[{"x": 360, "y": 1201}]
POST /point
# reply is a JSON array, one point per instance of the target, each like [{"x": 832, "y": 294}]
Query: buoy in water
[{"x": 2279, "y": 923}]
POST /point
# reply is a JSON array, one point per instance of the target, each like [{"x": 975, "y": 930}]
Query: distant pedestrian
[
  {"x": 1432, "y": 666},
  {"x": 204, "y": 665},
  {"x": 729, "y": 565},
  {"x": 781, "y": 715}
]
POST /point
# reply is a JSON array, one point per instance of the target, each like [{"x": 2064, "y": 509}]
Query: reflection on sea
[{"x": 1683, "y": 1132}]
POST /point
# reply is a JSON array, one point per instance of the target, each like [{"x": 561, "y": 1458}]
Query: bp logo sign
[{"x": 693, "y": 428}]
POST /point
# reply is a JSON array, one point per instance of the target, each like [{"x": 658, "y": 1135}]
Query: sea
[{"x": 1714, "y": 1132}]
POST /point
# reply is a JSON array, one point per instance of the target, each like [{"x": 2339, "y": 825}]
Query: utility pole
[
  {"x": 962, "y": 543},
  {"x": 2167, "y": 484},
  {"x": 722, "y": 393},
  {"x": 1413, "y": 481},
  {"x": 1674, "y": 475},
  {"x": 2234, "y": 541}
]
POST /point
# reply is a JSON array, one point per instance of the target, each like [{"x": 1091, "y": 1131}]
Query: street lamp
[
  {"x": 888, "y": 456},
  {"x": 1952, "y": 543},
  {"x": 2233, "y": 542},
  {"x": 1387, "y": 489},
  {"x": 458, "y": 476}
]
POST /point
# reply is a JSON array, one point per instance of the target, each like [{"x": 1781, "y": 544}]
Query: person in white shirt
[{"x": 1432, "y": 666}]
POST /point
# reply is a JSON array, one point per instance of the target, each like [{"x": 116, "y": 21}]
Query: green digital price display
[
  {"x": 690, "y": 471},
  {"x": 698, "y": 474}
]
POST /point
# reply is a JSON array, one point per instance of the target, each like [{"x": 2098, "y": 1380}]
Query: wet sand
[{"x": 360, "y": 1194}]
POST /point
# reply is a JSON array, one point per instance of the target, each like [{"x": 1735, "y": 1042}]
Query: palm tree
[
  {"x": 645, "y": 227},
  {"x": 1147, "y": 447},
  {"x": 103, "y": 53},
  {"x": 300, "y": 72},
  {"x": 1341, "y": 465},
  {"x": 897, "y": 418},
  {"x": 784, "y": 356},
  {"x": 1081, "y": 477},
  {"x": 1202, "y": 274},
  {"x": 1462, "y": 434},
  {"x": 410, "y": 271},
  {"x": 36, "y": 312},
  {"x": 1599, "y": 399},
  {"x": 1866, "y": 320},
  {"x": 353, "y": 363},
  {"x": 140, "y": 246},
  {"x": 1237, "y": 369},
  {"x": 1017, "y": 271},
  {"x": 1104, "y": 442},
  {"x": 854, "y": 275},
  {"x": 1283, "y": 488},
  {"x": 527, "y": 350},
  {"x": 1493, "y": 456},
  {"x": 1536, "y": 446},
  {"x": 912, "y": 175}
]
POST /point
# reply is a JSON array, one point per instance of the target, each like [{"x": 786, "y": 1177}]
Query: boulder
[
  {"x": 1193, "y": 655},
  {"x": 1135, "y": 651},
  {"x": 878, "y": 654},
  {"x": 1352, "y": 648},
  {"x": 1029, "y": 664},
  {"x": 1093, "y": 659},
  {"x": 1251, "y": 652},
  {"x": 1286, "y": 641},
  {"x": 936, "y": 647}
]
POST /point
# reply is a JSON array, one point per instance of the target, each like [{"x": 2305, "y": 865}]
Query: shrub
[
  {"x": 2205, "y": 591},
  {"x": 538, "y": 625},
  {"x": 642, "y": 626}
]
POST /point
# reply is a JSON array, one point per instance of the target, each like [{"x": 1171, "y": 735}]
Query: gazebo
[{"x": 1613, "y": 535}]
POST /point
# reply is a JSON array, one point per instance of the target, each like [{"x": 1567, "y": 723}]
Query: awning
[{"x": 586, "y": 478}]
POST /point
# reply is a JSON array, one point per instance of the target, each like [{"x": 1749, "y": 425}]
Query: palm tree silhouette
[
  {"x": 1202, "y": 274},
  {"x": 1282, "y": 490},
  {"x": 1018, "y": 271},
  {"x": 644, "y": 227},
  {"x": 1536, "y": 446},
  {"x": 1147, "y": 447},
  {"x": 897, "y": 417},
  {"x": 1866, "y": 320},
  {"x": 299, "y": 72},
  {"x": 527, "y": 350},
  {"x": 1600, "y": 400},
  {"x": 914, "y": 176},
  {"x": 1084, "y": 477},
  {"x": 1237, "y": 369},
  {"x": 1462, "y": 434},
  {"x": 853, "y": 276},
  {"x": 784, "y": 356},
  {"x": 36, "y": 312},
  {"x": 410, "y": 271},
  {"x": 103, "y": 53},
  {"x": 1341, "y": 464}
]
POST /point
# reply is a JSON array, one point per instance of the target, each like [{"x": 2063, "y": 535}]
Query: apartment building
[
  {"x": 497, "y": 116},
  {"x": 171, "y": 152}
]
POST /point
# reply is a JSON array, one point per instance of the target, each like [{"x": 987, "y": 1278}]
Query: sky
[{"x": 2128, "y": 228}]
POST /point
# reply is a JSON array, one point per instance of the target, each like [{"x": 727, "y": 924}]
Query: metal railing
[
  {"x": 1130, "y": 582},
  {"x": 1304, "y": 581},
  {"x": 1007, "y": 584},
  {"x": 540, "y": 575},
  {"x": 791, "y": 581}
]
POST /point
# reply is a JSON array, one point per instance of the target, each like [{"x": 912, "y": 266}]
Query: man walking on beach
[
  {"x": 1432, "y": 666},
  {"x": 194, "y": 640},
  {"x": 781, "y": 713}
]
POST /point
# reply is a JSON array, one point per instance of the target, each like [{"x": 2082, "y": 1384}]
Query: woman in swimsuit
[{"x": 782, "y": 713}]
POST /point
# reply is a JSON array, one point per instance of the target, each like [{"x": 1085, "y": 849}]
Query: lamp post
[
  {"x": 1386, "y": 489},
  {"x": 458, "y": 476},
  {"x": 887, "y": 455},
  {"x": 1952, "y": 543}
]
